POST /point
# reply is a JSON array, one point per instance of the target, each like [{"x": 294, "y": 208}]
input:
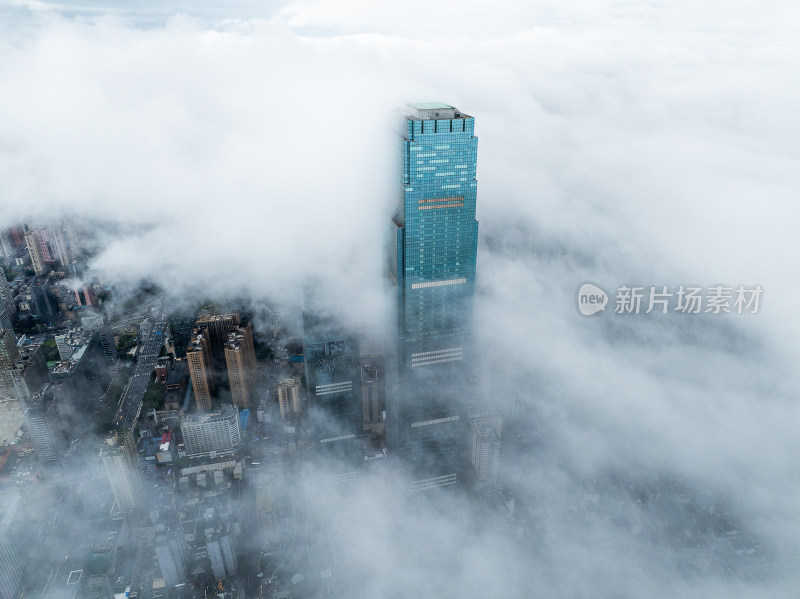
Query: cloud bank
[{"x": 619, "y": 143}]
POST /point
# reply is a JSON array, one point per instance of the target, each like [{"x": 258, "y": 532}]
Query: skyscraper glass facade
[
  {"x": 334, "y": 393},
  {"x": 432, "y": 262},
  {"x": 436, "y": 235}
]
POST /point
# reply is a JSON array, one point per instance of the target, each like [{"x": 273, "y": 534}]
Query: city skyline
[{"x": 621, "y": 145}]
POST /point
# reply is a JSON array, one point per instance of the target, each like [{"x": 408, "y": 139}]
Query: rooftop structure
[{"x": 434, "y": 110}]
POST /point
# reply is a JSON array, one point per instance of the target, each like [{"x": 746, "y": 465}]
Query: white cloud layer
[{"x": 646, "y": 143}]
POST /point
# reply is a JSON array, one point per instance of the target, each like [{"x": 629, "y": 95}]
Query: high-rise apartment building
[
  {"x": 216, "y": 433},
  {"x": 198, "y": 356},
  {"x": 432, "y": 261},
  {"x": 215, "y": 327},
  {"x": 290, "y": 396},
  {"x": 35, "y": 252},
  {"x": 50, "y": 246},
  {"x": 62, "y": 252},
  {"x": 74, "y": 239},
  {"x": 240, "y": 357},
  {"x": 121, "y": 463}
]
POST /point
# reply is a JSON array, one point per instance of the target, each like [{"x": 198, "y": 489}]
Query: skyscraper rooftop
[{"x": 426, "y": 111}]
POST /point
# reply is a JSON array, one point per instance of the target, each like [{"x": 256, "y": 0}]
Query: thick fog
[{"x": 243, "y": 152}]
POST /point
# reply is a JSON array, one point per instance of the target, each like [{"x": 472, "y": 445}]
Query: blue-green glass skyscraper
[{"x": 432, "y": 260}]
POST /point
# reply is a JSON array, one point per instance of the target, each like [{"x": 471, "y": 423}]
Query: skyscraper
[
  {"x": 198, "y": 355},
  {"x": 215, "y": 327},
  {"x": 241, "y": 359},
  {"x": 11, "y": 568},
  {"x": 290, "y": 396},
  {"x": 43, "y": 301},
  {"x": 29, "y": 372},
  {"x": 83, "y": 375},
  {"x": 13, "y": 534},
  {"x": 432, "y": 260},
  {"x": 50, "y": 246},
  {"x": 7, "y": 248},
  {"x": 6, "y": 295},
  {"x": 109, "y": 346},
  {"x": 35, "y": 252},
  {"x": 121, "y": 462},
  {"x": 484, "y": 455},
  {"x": 334, "y": 387},
  {"x": 41, "y": 419},
  {"x": 181, "y": 323},
  {"x": 58, "y": 246},
  {"x": 371, "y": 399},
  {"x": 8, "y": 356},
  {"x": 74, "y": 239}
]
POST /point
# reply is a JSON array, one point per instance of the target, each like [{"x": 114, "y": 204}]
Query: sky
[{"x": 243, "y": 150}]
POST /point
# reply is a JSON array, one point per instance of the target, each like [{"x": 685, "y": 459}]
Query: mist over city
[{"x": 336, "y": 299}]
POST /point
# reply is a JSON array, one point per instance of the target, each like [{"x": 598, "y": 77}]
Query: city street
[{"x": 152, "y": 330}]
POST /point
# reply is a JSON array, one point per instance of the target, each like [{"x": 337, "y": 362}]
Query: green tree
[
  {"x": 50, "y": 351},
  {"x": 153, "y": 396}
]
